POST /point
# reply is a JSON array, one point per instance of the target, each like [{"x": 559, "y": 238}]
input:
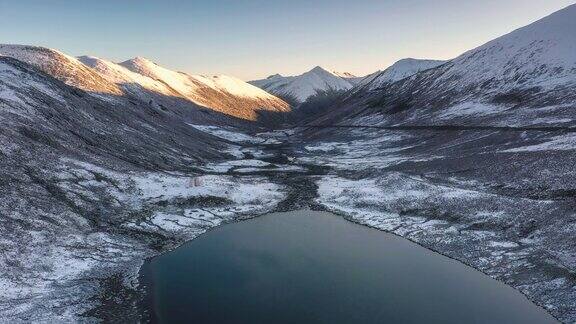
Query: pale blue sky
[{"x": 254, "y": 38}]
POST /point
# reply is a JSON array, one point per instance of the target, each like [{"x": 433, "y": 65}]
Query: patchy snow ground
[
  {"x": 566, "y": 142},
  {"x": 491, "y": 199},
  {"x": 461, "y": 223},
  {"x": 229, "y": 135},
  {"x": 141, "y": 214},
  {"x": 381, "y": 149},
  {"x": 471, "y": 109},
  {"x": 56, "y": 270},
  {"x": 241, "y": 144}
]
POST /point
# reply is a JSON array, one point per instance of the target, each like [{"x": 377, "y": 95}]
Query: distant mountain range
[
  {"x": 533, "y": 65},
  {"x": 319, "y": 80},
  {"x": 146, "y": 80}
]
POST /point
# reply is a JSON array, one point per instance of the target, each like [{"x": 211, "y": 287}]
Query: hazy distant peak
[
  {"x": 274, "y": 76},
  {"x": 142, "y": 60},
  {"x": 345, "y": 75},
  {"x": 319, "y": 69}
]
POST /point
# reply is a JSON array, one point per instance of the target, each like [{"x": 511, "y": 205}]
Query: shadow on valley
[{"x": 302, "y": 113}]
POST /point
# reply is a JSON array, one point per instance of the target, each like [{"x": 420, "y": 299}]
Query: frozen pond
[{"x": 314, "y": 267}]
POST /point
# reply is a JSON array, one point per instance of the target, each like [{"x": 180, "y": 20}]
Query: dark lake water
[{"x": 314, "y": 267}]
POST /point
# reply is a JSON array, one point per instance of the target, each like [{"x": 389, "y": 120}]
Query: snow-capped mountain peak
[
  {"x": 143, "y": 60},
  {"x": 352, "y": 78},
  {"x": 408, "y": 67},
  {"x": 223, "y": 93},
  {"x": 303, "y": 86},
  {"x": 145, "y": 79},
  {"x": 185, "y": 83},
  {"x": 320, "y": 70},
  {"x": 130, "y": 81}
]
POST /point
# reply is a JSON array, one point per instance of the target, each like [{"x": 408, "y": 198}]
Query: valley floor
[{"x": 499, "y": 201}]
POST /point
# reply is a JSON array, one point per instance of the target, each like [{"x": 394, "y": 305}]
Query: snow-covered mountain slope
[
  {"x": 130, "y": 81},
  {"x": 34, "y": 99},
  {"x": 540, "y": 54},
  {"x": 221, "y": 93},
  {"x": 144, "y": 80},
  {"x": 527, "y": 77},
  {"x": 63, "y": 67},
  {"x": 302, "y": 87},
  {"x": 398, "y": 71}
]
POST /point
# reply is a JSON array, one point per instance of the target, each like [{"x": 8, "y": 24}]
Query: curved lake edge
[
  {"x": 443, "y": 254},
  {"x": 317, "y": 207}
]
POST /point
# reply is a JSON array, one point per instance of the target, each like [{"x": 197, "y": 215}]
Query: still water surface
[{"x": 314, "y": 267}]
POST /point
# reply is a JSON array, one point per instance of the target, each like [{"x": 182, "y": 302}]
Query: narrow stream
[{"x": 315, "y": 267}]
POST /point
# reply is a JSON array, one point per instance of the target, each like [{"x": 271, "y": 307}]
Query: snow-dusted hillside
[
  {"x": 61, "y": 66},
  {"x": 143, "y": 79},
  {"x": 541, "y": 54},
  {"x": 303, "y": 86},
  {"x": 222, "y": 93},
  {"x": 524, "y": 78},
  {"x": 398, "y": 71}
]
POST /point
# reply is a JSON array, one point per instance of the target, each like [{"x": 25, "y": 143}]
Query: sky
[{"x": 252, "y": 39}]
